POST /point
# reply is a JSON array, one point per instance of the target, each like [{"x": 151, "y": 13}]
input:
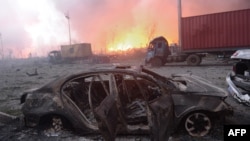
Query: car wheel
[
  {"x": 57, "y": 123},
  {"x": 193, "y": 60},
  {"x": 53, "y": 125},
  {"x": 198, "y": 124}
]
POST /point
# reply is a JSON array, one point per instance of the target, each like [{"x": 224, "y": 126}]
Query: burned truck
[
  {"x": 71, "y": 53},
  {"x": 220, "y": 34}
]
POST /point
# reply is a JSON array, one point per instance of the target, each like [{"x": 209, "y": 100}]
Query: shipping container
[
  {"x": 218, "y": 33},
  {"x": 81, "y": 50},
  {"x": 225, "y": 32}
]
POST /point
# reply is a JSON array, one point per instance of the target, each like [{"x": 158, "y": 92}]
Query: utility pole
[
  {"x": 2, "y": 52},
  {"x": 179, "y": 21},
  {"x": 67, "y": 16}
]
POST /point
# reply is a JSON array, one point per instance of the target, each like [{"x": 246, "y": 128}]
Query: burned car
[
  {"x": 126, "y": 100},
  {"x": 238, "y": 79}
]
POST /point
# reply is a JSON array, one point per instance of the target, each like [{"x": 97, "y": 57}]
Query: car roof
[{"x": 133, "y": 70}]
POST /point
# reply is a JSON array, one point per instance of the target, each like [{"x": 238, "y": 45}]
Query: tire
[
  {"x": 51, "y": 124},
  {"x": 193, "y": 60},
  {"x": 198, "y": 124},
  {"x": 156, "y": 62}
]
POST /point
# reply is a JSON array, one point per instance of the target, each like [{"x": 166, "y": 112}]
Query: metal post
[
  {"x": 67, "y": 16},
  {"x": 2, "y": 46},
  {"x": 179, "y": 21}
]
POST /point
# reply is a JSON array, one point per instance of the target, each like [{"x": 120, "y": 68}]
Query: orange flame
[
  {"x": 128, "y": 38},
  {"x": 127, "y": 41}
]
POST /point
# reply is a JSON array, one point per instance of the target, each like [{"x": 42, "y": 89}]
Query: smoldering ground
[{"x": 14, "y": 80}]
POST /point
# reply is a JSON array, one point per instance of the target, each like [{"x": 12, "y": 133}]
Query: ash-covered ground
[{"x": 16, "y": 77}]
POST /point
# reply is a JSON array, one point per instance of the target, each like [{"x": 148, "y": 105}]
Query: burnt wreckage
[
  {"x": 238, "y": 79},
  {"x": 127, "y": 100}
]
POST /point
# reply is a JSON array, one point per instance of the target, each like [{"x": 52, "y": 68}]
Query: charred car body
[
  {"x": 127, "y": 100},
  {"x": 238, "y": 80}
]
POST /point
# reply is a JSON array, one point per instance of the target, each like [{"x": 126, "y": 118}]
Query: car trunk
[{"x": 196, "y": 85}]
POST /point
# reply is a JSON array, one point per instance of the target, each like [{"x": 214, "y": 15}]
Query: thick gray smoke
[{"x": 39, "y": 26}]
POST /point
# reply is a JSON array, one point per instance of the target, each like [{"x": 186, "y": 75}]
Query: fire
[{"x": 125, "y": 41}]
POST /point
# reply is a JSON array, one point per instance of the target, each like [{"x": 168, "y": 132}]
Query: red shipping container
[{"x": 227, "y": 31}]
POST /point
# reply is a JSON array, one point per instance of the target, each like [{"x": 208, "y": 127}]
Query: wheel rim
[
  {"x": 55, "y": 128},
  {"x": 198, "y": 124},
  {"x": 57, "y": 123},
  {"x": 193, "y": 60}
]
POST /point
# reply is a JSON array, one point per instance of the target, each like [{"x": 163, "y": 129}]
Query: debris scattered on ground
[{"x": 32, "y": 74}]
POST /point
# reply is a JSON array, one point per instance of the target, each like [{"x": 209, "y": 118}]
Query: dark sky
[{"x": 39, "y": 26}]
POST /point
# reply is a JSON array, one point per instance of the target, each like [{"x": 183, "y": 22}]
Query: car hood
[
  {"x": 196, "y": 85},
  {"x": 241, "y": 54}
]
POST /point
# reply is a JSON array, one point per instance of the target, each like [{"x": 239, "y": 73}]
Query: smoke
[
  {"x": 122, "y": 24},
  {"x": 37, "y": 27}
]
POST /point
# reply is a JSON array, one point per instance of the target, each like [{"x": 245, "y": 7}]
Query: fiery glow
[
  {"x": 126, "y": 41},
  {"x": 40, "y": 26}
]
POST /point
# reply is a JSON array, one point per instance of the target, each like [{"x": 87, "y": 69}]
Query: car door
[
  {"x": 106, "y": 113},
  {"x": 160, "y": 108},
  {"x": 161, "y": 118},
  {"x": 142, "y": 103},
  {"x": 146, "y": 103}
]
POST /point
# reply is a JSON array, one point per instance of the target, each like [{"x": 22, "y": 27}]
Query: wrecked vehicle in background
[
  {"x": 126, "y": 100},
  {"x": 76, "y": 52},
  {"x": 238, "y": 79},
  {"x": 70, "y": 53}
]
